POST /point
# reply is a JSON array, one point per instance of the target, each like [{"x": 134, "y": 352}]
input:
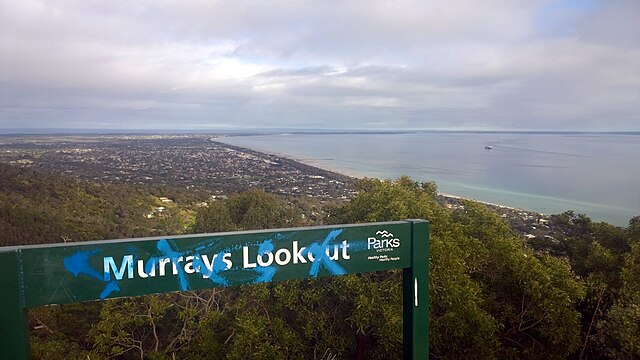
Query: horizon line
[{"x": 91, "y": 131}]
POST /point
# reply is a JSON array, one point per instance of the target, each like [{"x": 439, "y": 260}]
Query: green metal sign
[{"x": 98, "y": 270}]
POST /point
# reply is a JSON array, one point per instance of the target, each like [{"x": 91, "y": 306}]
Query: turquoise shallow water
[{"x": 594, "y": 174}]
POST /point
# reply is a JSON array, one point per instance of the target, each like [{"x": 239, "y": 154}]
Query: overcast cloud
[{"x": 175, "y": 64}]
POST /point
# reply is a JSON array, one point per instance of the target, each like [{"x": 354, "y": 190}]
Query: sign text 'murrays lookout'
[{"x": 129, "y": 266}]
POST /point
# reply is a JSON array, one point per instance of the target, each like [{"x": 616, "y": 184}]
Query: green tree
[
  {"x": 130, "y": 328},
  {"x": 532, "y": 297},
  {"x": 459, "y": 325},
  {"x": 255, "y": 210},
  {"x": 490, "y": 296},
  {"x": 214, "y": 217},
  {"x": 596, "y": 252},
  {"x": 620, "y": 330},
  {"x": 633, "y": 231}
]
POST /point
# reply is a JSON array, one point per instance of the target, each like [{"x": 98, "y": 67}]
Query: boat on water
[{"x": 488, "y": 147}]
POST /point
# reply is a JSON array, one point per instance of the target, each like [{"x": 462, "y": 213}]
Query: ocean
[{"x": 597, "y": 174}]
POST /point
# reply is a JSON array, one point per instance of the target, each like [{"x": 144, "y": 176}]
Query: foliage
[
  {"x": 255, "y": 209},
  {"x": 40, "y": 208},
  {"x": 620, "y": 329},
  {"x": 61, "y": 332},
  {"x": 214, "y": 217},
  {"x": 493, "y": 295},
  {"x": 490, "y": 296},
  {"x": 252, "y": 210},
  {"x": 599, "y": 254}
]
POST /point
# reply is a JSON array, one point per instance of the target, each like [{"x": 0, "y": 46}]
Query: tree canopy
[{"x": 493, "y": 293}]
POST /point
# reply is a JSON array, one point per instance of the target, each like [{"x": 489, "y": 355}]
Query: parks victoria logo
[{"x": 384, "y": 244}]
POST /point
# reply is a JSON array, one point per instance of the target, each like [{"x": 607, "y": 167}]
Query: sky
[{"x": 349, "y": 64}]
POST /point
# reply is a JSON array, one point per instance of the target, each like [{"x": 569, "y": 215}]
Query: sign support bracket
[
  {"x": 14, "y": 341},
  {"x": 415, "y": 293}
]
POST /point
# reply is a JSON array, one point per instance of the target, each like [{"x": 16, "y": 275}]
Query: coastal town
[
  {"x": 528, "y": 224},
  {"x": 196, "y": 162},
  {"x": 201, "y": 162}
]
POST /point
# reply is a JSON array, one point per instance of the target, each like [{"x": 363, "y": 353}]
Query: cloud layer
[{"x": 505, "y": 65}]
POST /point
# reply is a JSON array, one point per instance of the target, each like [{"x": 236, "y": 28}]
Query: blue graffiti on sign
[
  {"x": 261, "y": 258},
  {"x": 78, "y": 264},
  {"x": 266, "y": 272},
  {"x": 109, "y": 288},
  {"x": 175, "y": 257},
  {"x": 321, "y": 255}
]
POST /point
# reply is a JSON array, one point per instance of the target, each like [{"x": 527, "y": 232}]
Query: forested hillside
[
  {"x": 38, "y": 207},
  {"x": 493, "y": 295}
]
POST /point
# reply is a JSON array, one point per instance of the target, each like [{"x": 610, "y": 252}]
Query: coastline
[
  {"x": 205, "y": 162},
  {"x": 501, "y": 206},
  {"x": 547, "y": 173},
  {"x": 525, "y": 222},
  {"x": 318, "y": 164},
  {"x": 301, "y": 163},
  {"x": 315, "y": 163}
]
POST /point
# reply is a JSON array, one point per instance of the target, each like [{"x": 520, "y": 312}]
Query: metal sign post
[
  {"x": 34, "y": 276},
  {"x": 415, "y": 295}
]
